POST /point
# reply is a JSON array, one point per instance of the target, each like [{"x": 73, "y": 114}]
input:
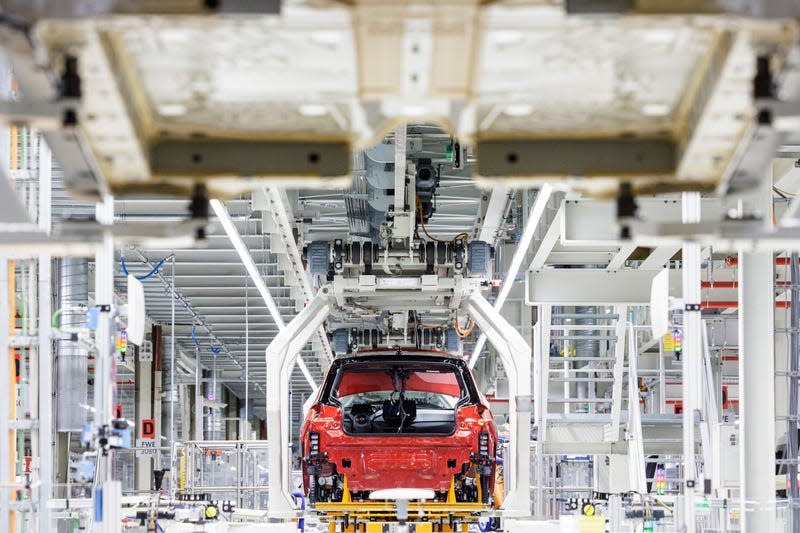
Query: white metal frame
[
  {"x": 282, "y": 354},
  {"x": 515, "y": 355}
]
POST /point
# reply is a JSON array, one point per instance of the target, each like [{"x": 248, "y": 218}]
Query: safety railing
[{"x": 235, "y": 471}]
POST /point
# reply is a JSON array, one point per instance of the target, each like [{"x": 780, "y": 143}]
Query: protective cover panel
[{"x": 662, "y": 100}]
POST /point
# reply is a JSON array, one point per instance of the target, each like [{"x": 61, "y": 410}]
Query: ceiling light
[
  {"x": 507, "y": 37},
  {"x": 171, "y": 110},
  {"x": 414, "y": 110},
  {"x": 313, "y": 110},
  {"x": 518, "y": 110},
  {"x": 655, "y": 110},
  {"x": 329, "y": 38}
]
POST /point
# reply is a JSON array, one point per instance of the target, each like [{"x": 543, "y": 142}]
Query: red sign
[{"x": 148, "y": 430}]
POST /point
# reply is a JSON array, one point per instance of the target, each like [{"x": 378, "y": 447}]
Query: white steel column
[
  {"x": 541, "y": 366},
  {"x": 692, "y": 353},
  {"x": 198, "y": 395},
  {"x": 144, "y": 410},
  {"x": 104, "y": 295},
  {"x": 757, "y": 391},
  {"x": 105, "y": 372},
  {"x": 6, "y": 435},
  {"x": 6, "y": 480},
  {"x": 46, "y": 441}
]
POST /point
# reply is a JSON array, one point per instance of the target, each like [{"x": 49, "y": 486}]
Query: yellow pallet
[
  {"x": 389, "y": 527},
  {"x": 378, "y": 516}
]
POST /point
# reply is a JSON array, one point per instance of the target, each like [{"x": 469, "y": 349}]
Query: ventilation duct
[{"x": 71, "y": 359}]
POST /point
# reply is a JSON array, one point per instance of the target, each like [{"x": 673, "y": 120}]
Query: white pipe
[
  {"x": 757, "y": 392},
  {"x": 692, "y": 357},
  {"x": 258, "y": 281},
  {"x": 537, "y": 210}
]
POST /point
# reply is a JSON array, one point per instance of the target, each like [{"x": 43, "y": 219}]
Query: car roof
[{"x": 416, "y": 353}]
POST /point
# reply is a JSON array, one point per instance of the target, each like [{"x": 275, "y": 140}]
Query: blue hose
[
  {"x": 194, "y": 337},
  {"x": 146, "y": 276},
  {"x": 485, "y": 526},
  {"x": 216, "y": 349},
  {"x": 301, "y": 524}
]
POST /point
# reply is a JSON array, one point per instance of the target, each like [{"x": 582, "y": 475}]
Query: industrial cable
[
  {"x": 431, "y": 237},
  {"x": 463, "y": 332},
  {"x": 54, "y": 320},
  {"x": 150, "y": 274}
]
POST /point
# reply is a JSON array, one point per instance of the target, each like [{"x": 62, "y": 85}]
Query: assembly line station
[{"x": 424, "y": 266}]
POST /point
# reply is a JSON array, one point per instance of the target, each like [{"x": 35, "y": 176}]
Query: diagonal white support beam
[
  {"x": 548, "y": 241},
  {"x": 658, "y": 257},
  {"x": 493, "y": 216},
  {"x": 622, "y": 255},
  {"x": 250, "y": 266},
  {"x": 537, "y": 211}
]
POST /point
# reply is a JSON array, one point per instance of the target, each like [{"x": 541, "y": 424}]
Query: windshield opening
[{"x": 399, "y": 398}]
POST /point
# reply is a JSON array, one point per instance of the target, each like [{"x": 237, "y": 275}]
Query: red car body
[{"x": 399, "y": 419}]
